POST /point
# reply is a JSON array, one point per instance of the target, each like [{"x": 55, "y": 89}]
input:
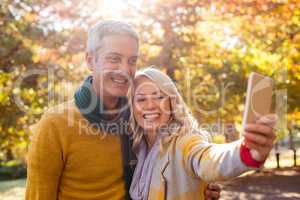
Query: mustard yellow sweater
[{"x": 68, "y": 160}]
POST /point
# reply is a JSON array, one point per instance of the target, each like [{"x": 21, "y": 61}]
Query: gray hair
[{"x": 107, "y": 28}]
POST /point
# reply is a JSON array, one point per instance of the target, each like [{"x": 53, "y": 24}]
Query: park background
[{"x": 207, "y": 47}]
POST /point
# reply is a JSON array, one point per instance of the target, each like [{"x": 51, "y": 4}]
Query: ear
[{"x": 89, "y": 60}]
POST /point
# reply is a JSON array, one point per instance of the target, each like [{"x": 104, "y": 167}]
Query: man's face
[{"x": 113, "y": 65}]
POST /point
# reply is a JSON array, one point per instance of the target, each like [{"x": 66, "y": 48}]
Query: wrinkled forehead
[{"x": 122, "y": 44}]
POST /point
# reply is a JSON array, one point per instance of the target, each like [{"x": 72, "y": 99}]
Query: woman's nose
[{"x": 150, "y": 105}]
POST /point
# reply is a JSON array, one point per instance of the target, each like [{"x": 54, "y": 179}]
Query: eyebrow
[
  {"x": 118, "y": 54},
  {"x": 114, "y": 53},
  {"x": 135, "y": 57},
  {"x": 147, "y": 94}
]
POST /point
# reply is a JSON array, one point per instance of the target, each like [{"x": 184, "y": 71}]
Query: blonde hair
[{"x": 181, "y": 116}]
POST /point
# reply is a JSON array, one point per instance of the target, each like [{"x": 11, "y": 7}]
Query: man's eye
[
  {"x": 132, "y": 61},
  {"x": 113, "y": 59}
]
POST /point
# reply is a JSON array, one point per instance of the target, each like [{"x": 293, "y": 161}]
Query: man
[{"x": 77, "y": 152}]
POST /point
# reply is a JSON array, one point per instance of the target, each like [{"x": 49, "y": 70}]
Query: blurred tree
[
  {"x": 207, "y": 47},
  {"x": 33, "y": 60},
  {"x": 210, "y": 47}
]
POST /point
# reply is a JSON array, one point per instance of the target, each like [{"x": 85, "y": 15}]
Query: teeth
[
  {"x": 119, "y": 81},
  {"x": 151, "y": 116}
]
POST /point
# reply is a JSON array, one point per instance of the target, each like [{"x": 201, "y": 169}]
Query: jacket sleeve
[
  {"x": 211, "y": 162},
  {"x": 45, "y": 162}
]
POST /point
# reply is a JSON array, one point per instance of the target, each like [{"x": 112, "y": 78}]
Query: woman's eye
[
  {"x": 140, "y": 99},
  {"x": 160, "y": 97}
]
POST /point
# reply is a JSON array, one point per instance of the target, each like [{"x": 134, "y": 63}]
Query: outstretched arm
[{"x": 217, "y": 162}]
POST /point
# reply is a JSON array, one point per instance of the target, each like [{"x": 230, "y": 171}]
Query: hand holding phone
[{"x": 258, "y": 102}]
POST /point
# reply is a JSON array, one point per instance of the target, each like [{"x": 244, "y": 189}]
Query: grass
[
  {"x": 6, "y": 185},
  {"x": 12, "y": 189},
  {"x": 285, "y": 161}
]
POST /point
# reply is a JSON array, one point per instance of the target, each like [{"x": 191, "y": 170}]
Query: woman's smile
[
  {"x": 151, "y": 116},
  {"x": 151, "y": 106}
]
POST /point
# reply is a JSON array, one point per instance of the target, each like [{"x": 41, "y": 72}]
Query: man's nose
[{"x": 126, "y": 69}]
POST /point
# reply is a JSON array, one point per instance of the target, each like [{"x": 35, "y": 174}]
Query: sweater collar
[{"x": 91, "y": 107}]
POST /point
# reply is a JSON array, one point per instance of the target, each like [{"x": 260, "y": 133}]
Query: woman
[{"x": 174, "y": 157}]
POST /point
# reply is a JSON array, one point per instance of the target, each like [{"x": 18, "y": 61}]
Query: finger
[
  {"x": 260, "y": 128},
  {"x": 257, "y": 147},
  {"x": 269, "y": 120},
  {"x": 212, "y": 194},
  {"x": 259, "y": 139},
  {"x": 215, "y": 187}
]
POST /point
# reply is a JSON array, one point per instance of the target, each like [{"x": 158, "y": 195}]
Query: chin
[
  {"x": 149, "y": 128},
  {"x": 121, "y": 94},
  {"x": 118, "y": 93}
]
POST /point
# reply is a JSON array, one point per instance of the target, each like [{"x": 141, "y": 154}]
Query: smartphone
[
  {"x": 258, "y": 101},
  {"x": 258, "y": 98}
]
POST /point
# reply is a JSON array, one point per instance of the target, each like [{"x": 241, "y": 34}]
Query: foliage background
[{"x": 205, "y": 46}]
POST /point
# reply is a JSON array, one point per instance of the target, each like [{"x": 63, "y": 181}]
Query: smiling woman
[{"x": 173, "y": 152}]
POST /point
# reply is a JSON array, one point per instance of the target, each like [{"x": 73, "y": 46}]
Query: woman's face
[{"x": 151, "y": 107}]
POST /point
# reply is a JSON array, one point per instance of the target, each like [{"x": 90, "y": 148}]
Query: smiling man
[{"x": 79, "y": 148}]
